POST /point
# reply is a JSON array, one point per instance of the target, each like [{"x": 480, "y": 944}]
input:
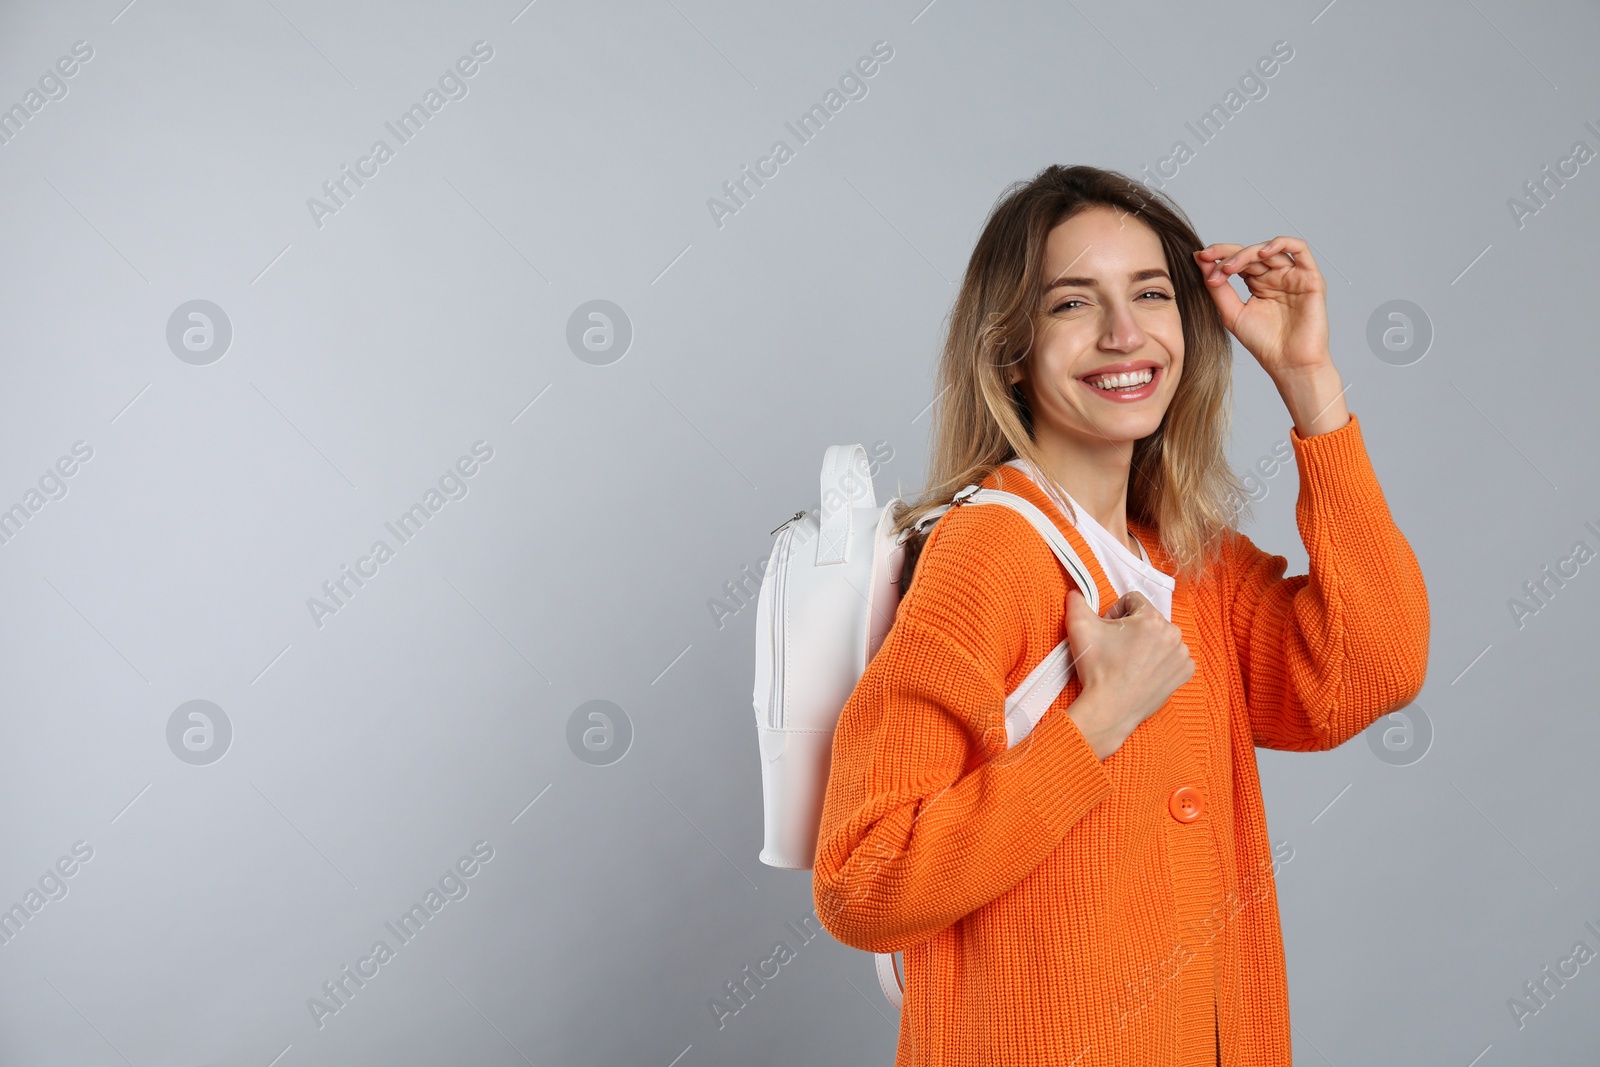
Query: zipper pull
[{"x": 797, "y": 516}]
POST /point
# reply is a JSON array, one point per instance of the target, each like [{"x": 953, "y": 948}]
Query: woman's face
[{"x": 1110, "y": 305}]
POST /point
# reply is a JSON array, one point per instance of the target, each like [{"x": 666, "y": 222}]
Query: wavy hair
[{"x": 1180, "y": 482}]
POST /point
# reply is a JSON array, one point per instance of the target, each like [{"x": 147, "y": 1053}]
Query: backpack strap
[
  {"x": 847, "y": 481},
  {"x": 889, "y": 979},
  {"x": 1026, "y": 704},
  {"x": 1033, "y": 696},
  {"x": 974, "y": 494},
  {"x": 1080, "y": 574}
]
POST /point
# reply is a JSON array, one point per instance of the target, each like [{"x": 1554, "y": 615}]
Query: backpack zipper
[
  {"x": 779, "y": 582},
  {"x": 796, "y": 517}
]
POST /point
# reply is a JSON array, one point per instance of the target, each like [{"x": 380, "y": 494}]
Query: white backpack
[{"x": 822, "y": 613}]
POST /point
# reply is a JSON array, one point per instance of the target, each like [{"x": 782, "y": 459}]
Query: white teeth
[{"x": 1117, "y": 381}]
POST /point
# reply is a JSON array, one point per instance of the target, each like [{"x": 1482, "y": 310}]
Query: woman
[{"x": 1101, "y": 892}]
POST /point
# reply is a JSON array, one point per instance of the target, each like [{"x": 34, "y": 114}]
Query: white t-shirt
[{"x": 1124, "y": 570}]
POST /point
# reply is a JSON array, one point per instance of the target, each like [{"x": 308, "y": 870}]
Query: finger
[
  {"x": 1292, "y": 251},
  {"x": 1208, "y": 257},
  {"x": 1132, "y": 603},
  {"x": 1228, "y": 302},
  {"x": 1276, "y": 254},
  {"x": 1243, "y": 258},
  {"x": 1211, "y": 253},
  {"x": 1266, "y": 264}
]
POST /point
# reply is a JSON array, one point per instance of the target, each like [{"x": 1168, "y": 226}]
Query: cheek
[
  {"x": 1052, "y": 361},
  {"x": 1172, "y": 341},
  {"x": 1174, "y": 347},
  {"x": 1050, "y": 383}
]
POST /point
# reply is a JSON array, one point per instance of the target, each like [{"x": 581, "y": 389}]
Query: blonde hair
[{"x": 1180, "y": 482}]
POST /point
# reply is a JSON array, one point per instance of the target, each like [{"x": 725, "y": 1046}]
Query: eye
[{"x": 1159, "y": 294}]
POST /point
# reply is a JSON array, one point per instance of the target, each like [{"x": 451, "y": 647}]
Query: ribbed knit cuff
[
  {"x": 1334, "y": 466},
  {"x": 1061, "y": 775}
]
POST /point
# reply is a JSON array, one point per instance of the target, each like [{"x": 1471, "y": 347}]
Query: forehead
[{"x": 1099, "y": 240}]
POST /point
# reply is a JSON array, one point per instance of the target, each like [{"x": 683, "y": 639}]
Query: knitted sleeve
[
  {"x": 928, "y": 815},
  {"x": 1323, "y": 655}
]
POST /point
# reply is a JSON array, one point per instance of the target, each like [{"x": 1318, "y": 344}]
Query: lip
[
  {"x": 1121, "y": 368},
  {"x": 1146, "y": 390}
]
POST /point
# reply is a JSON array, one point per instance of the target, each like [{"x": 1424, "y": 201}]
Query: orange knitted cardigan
[{"x": 1057, "y": 909}]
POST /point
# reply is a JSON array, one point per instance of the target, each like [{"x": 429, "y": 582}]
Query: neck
[{"x": 1095, "y": 474}]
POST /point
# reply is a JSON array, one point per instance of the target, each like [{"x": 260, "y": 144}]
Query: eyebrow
[{"x": 1089, "y": 283}]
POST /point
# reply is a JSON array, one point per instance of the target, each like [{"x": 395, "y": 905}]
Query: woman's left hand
[{"x": 1285, "y": 323}]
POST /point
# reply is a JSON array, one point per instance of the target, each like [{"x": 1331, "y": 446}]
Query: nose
[{"x": 1122, "y": 331}]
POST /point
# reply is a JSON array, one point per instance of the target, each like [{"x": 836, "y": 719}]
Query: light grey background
[{"x": 430, "y": 312}]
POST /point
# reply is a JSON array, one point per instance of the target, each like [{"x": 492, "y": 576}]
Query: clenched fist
[{"x": 1130, "y": 661}]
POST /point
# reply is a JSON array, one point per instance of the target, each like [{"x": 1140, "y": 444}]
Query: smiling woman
[
  {"x": 1100, "y": 891},
  {"x": 1088, "y": 291},
  {"x": 1112, "y": 328}
]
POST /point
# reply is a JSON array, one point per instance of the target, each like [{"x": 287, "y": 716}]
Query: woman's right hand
[{"x": 1130, "y": 661}]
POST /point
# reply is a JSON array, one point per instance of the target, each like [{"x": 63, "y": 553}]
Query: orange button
[{"x": 1186, "y": 803}]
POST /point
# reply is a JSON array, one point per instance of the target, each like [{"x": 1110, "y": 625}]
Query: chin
[
  {"x": 1133, "y": 429},
  {"x": 1129, "y": 425}
]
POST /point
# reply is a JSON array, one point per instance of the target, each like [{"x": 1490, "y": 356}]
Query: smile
[{"x": 1126, "y": 387}]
